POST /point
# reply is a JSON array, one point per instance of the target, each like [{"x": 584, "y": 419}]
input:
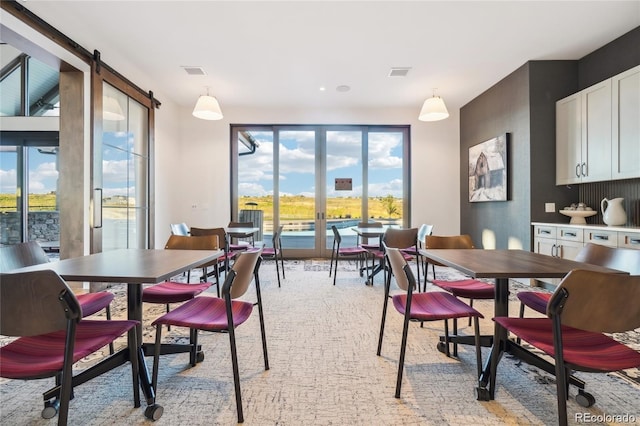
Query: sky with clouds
[{"x": 344, "y": 160}]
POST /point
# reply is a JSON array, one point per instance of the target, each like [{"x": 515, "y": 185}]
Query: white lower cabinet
[{"x": 566, "y": 241}]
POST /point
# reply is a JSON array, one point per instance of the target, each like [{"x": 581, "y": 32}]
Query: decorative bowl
[{"x": 577, "y": 216}]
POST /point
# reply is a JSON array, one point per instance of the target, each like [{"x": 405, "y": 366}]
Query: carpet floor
[{"x": 322, "y": 343}]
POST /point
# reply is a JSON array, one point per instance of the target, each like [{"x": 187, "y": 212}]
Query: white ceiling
[{"x": 278, "y": 54}]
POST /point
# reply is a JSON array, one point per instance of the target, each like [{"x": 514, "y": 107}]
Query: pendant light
[
  {"x": 207, "y": 108},
  {"x": 433, "y": 109}
]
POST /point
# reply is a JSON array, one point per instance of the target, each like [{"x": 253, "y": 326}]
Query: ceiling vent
[
  {"x": 399, "y": 71},
  {"x": 194, "y": 70}
]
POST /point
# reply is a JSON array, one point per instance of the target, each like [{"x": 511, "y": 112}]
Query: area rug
[{"x": 322, "y": 343}]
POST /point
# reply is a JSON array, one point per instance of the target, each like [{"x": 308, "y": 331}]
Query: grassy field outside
[{"x": 291, "y": 207}]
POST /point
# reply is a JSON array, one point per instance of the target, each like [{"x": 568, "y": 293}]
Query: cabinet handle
[
  {"x": 582, "y": 169},
  {"x": 578, "y": 170},
  {"x": 570, "y": 234},
  {"x": 545, "y": 232},
  {"x": 634, "y": 240},
  {"x": 559, "y": 251},
  {"x": 553, "y": 250},
  {"x": 601, "y": 237}
]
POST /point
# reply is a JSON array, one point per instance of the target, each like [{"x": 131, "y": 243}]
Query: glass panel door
[
  {"x": 343, "y": 185},
  {"x": 308, "y": 178},
  {"x": 296, "y": 182},
  {"x": 125, "y": 159}
]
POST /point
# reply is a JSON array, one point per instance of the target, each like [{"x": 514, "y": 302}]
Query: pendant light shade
[
  {"x": 207, "y": 108},
  {"x": 433, "y": 109},
  {"x": 111, "y": 109}
]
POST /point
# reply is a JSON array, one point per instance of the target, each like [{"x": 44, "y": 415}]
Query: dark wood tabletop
[
  {"x": 507, "y": 263},
  {"x": 133, "y": 266}
]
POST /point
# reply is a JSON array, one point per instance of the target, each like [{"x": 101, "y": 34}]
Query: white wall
[{"x": 198, "y": 191}]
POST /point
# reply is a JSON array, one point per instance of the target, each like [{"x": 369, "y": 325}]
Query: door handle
[
  {"x": 582, "y": 169},
  {"x": 578, "y": 170}
]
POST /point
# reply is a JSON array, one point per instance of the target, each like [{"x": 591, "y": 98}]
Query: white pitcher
[{"x": 614, "y": 213}]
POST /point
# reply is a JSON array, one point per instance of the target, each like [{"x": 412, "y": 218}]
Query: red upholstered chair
[
  {"x": 31, "y": 253},
  {"x": 219, "y": 315},
  {"x": 176, "y": 292},
  {"x": 51, "y": 335},
  {"x": 426, "y": 306},
  {"x": 469, "y": 288},
  {"x": 275, "y": 251},
  {"x": 616, "y": 258},
  {"x": 222, "y": 263},
  {"x": 584, "y": 307},
  {"x": 243, "y": 244},
  {"x": 423, "y": 231},
  {"x": 338, "y": 252}
]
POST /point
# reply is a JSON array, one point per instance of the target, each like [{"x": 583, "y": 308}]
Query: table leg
[
  {"x": 134, "y": 312},
  {"x": 488, "y": 376}
]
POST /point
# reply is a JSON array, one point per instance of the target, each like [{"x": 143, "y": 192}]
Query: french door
[{"x": 309, "y": 178}]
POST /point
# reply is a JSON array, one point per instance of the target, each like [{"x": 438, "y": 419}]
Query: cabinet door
[
  {"x": 568, "y": 140},
  {"x": 545, "y": 246},
  {"x": 626, "y": 125},
  {"x": 596, "y": 132},
  {"x": 629, "y": 240},
  {"x": 569, "y": 249}
]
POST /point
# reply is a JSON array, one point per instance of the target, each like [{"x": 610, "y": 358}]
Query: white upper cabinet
[
  {"x": 598, "y": 131},
  {"x": 626, "y": 125},
  {"x": 583, "y": 136}
]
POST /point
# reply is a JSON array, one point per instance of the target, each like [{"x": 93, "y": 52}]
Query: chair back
[
  {"x": 240, "y": 224},
  {"x": 337, "y": 238},
  {"x": 397, "y": 262},
  {"x": 369, "y": 224},
  {"x": 423, "y": 231},
  {"x": 244, "y": 268},
  {"x": 33, "y": 303},
  {"x": 448, "y": 242},
  {"x": 203, "y": 242},
  {"x": 598, "y": 302},
  {"x": 220, "y": 232},
  {"x": 622, "y": 259},
  {"x": 179, "y": 229},
  {"x": 400, "y": 238},
  {"x": 21, "y": 255}
]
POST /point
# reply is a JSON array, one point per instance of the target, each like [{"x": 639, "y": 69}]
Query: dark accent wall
[{"x": 523, "y": 104}]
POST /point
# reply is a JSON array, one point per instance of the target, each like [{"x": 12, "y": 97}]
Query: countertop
[{"x": 589, "y": 226}]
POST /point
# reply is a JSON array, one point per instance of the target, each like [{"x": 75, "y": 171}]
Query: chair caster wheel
[
  {"x": 442, "y": 347},
  {"x": 585, "y": 399},
  {"x": 199, "y": 356},
  {"x": 50, "y": 409},
  {"x": 153, "y": 412},
  {"x": 482, "y": 394}
]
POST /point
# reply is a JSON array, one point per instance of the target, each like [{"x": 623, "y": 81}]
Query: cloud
[
  {"x": 8, "y": 181},
  {"x": 252, "y": 190}
]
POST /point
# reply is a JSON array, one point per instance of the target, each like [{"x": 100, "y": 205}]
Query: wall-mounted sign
[{"x": 343, "y": 184}]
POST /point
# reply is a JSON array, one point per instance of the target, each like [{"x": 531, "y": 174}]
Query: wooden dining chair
[
  {"x": 338, "y": 252},
  {"x": 216, "y": 314},
  {"x": 41, "y": 310},
  {"x": 31, "y": 253},
  {"x": 275, "y": 252},
  {"x": 583, "y": 314},
  {"x": 170, "y": 291},
  {"x": 467, "y": 288},
  {"x": 420, "y": 307},
  {"x": 622, "y": 259},
  {"x": 242, "y": 245}
]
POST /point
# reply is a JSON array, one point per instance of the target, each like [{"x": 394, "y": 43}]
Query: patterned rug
[{"x": 324, "y": 369}]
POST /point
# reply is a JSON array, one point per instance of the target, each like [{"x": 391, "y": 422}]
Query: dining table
[
  {"x": 502, "y": 266},
  {"x": 135, "y": 267},
  {"x": 371, "y": 232},
  {"x": 241, "y": 232}
]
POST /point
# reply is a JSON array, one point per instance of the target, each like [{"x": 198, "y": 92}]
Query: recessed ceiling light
[
  {"x": 399, "y": 71},
  {"x": 343, "y": 88},
  {"x": 194, "y": 70},
  {"x": 322, "y": 89}
]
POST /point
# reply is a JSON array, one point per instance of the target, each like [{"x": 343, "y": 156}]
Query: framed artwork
[{"x": 488, "y": 170}]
